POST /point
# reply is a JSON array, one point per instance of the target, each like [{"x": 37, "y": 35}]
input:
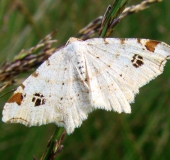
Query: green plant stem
[
  {"x": 111, "y": 15},
  {"x": 58, "y": 132}
]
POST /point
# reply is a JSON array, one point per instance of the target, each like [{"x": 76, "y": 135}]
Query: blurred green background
[{"x": 144, "y": 134}]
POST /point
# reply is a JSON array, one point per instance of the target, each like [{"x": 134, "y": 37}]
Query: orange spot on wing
[
  {"x": 150, "y": 45},
  {"x": 16, "y": 97}
]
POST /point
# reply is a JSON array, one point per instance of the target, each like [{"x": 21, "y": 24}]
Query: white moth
[{"x": 83, "y": 76}]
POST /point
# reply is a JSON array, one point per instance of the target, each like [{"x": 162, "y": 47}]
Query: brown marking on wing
[
  {"x": 16, "y": 97},
  {"x": 105, "y": 41},
  {"x": 35, "y": 74},
  {"x": 138, "y": 40},
  {"x": 47, "y": 62},
  {"x": 122, "y": 41},
  {"x": 38, "y": 99},
  {"x": 137, "y": 60},
  {"x": 22, "y": 86},
  {"x": 73, "y": 39},
  {"x": 15, "y": 120},
  {"x": 151, "y": 44}
]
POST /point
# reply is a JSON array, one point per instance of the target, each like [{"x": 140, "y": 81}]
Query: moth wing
[
  {"x": 117, "y": 68},
  {"x": 55, "y": 93}
]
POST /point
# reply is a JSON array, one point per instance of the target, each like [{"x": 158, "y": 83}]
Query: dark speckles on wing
[
  {"x": 38, "y": 102},
  {"x": 38, "y": 99},
  {"x": 137, "y": 60}
]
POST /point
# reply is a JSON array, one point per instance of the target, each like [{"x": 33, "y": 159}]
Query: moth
[{"x": 99, "y": 73}]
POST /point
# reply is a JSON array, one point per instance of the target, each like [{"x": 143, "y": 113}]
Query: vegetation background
[{"x": 144, "y": 134}]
